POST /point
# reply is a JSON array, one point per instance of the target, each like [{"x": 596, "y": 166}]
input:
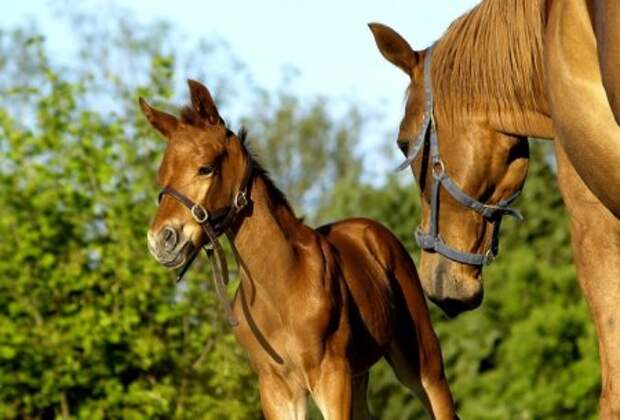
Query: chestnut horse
[
  {"x": 315, "y": 308},
  {"x": 506, "y": 71}
]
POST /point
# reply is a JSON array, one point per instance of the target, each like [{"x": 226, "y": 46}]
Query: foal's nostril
[{"x": 169, "y": 238}]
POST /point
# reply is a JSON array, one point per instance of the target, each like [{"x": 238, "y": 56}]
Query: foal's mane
[
  {"x": 275, "y": 193},
  {"x": 491, "y": 59},
  {"x": 191, "y": 117}
]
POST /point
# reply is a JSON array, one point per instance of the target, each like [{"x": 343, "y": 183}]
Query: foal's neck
[{"x": 266, "y": 237}]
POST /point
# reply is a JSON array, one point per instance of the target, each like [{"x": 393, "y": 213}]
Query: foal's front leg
[
  {"x": 332, "y": 389},
  {"x": 282, "y": 399}
]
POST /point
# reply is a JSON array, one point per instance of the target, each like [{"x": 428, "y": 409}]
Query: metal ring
[
  {"x": 241, "y": 200},
  {"x": 438, "y": 165},
  {"x": 195, "y": 216}
]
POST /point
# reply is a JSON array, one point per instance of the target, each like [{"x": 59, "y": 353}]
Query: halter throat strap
[{"x": 431, "y": 240}]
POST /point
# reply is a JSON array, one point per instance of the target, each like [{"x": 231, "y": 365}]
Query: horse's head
[
  {"x": 205, "y": 163},
  {"x": 458, "y": 231}
]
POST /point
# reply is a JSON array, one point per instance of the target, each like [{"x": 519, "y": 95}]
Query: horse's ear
[
  {"x": 394, "y": 47},
  {"x": 163, "y": 122},
  {"x": 202, "y": 102}
]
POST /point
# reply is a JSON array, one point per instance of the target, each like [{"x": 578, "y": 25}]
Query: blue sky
[{"x": 328, "y": 42}]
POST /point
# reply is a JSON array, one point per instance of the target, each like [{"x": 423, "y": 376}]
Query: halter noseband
[{"x": 431, "y": 240}]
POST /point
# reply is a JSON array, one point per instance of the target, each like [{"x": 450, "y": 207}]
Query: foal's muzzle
[{"x": 170, "y": 247}]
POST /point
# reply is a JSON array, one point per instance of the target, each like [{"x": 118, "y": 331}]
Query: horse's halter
[
  {"x": 431, "y": 240},
  {"x": 214, "y": 225}
]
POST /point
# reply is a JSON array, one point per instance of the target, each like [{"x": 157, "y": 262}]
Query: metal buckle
[
  {"x": 197, "y": 217},
  {"x": 241, "y": 200}
]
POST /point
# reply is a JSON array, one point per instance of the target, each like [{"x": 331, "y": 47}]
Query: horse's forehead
[{"x": 184, "y": 154}]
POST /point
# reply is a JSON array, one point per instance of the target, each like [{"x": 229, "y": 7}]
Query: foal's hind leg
[
  {"x": 426, "y": 383},
  {"x": 415, "y": 355},
  {"x": 359, "y": 409}
]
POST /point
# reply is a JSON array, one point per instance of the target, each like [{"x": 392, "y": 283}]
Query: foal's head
[
  {"x": 485, "y": 163},
  {"x": 204, "y": 161}
]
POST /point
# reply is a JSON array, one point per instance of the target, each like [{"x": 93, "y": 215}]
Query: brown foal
[{"x": 316, "y": 308}]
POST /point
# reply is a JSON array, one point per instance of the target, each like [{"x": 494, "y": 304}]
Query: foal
[{"x": 315, "y": 308}]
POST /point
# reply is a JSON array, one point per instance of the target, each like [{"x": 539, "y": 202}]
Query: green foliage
[
  {"x": 305, "y": 146},
  {"x": 91, "y": 327}
]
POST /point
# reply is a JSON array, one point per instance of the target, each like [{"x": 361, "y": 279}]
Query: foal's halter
[
  {"x": 214, "y": 225},
  {"x": 431, "y": 240}
]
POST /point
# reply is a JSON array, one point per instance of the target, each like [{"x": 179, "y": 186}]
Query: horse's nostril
[{"x": 169, "y": 238}]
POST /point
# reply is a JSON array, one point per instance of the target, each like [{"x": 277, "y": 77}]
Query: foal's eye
[{"x": 206, "y": 170}]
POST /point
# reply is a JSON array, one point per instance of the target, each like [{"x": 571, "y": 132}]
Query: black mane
[{"x": 276, "y": 194}]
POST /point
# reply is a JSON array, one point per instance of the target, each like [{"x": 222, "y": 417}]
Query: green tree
[{"x": 90, "y": 326}]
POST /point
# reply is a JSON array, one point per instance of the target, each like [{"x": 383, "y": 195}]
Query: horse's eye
[{"x": 206, "y": 170}]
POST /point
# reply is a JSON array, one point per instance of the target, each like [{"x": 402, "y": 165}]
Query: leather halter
[
  {"x": 431, "y": 240},
  {"x": 214, "y": 225}
]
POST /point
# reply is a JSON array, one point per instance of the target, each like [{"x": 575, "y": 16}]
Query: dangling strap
[{"x": 220, "y": 273}]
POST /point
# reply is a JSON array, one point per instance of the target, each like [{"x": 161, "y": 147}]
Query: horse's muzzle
[
  {"x": 169, "y": 247},
  {"x": 449, "y": 287}
]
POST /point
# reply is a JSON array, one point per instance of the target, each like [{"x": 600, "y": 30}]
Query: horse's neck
[
  {"x": 265, "y": 240},
  {"x": 526, "y": 123}
]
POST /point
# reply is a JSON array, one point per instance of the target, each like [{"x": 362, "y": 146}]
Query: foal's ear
[
  {"x": 394, "y": 47},
  {"x": 202, "y": 102},
  {"x": 163, "y": 122}
]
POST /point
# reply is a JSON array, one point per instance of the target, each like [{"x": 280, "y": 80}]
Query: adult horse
[
  {"x": 508, "y": 70},
  {"x": 315, "y": 308}
]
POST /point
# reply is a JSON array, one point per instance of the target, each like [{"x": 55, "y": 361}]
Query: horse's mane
[
  {"x": 276, "y": 194},
  {"x": 491, "y": 58}
]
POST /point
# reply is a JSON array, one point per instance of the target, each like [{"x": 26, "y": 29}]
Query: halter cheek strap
[{"x": 431, "y": 240}]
